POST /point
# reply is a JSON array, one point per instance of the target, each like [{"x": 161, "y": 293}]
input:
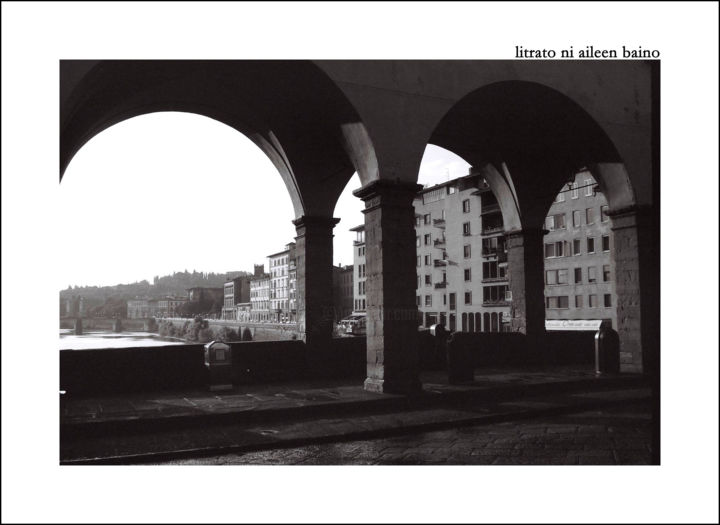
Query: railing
[
  {"x": 494, "y": 279},
  {"x": 441, "y": 285},
  {"x": 489, "y": 208},
  {"x": 492, "y": 229},
  {"x": 495, "y": 302},
  {"x": 440, "y": 223},
  {"x": 439, "y": 242},
  {"x": 439, "y": 262}
]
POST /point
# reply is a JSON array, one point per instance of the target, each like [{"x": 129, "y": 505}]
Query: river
[{"x": 105, "y": 339}]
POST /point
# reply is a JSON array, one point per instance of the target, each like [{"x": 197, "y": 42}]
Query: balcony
[
  {"x": 502, "y": 257},
  {"x": 440, "y": 223},
  {"x": 493, "y": 228},
  {"x": 439, "y": 262},
  {"x": 489, "y": 208},
  {"x": 495, "y": 302},
  {"x": 439, "y": 242},
  {"x": 441, "y": 285},
  {"x": 495, "y": 279}
]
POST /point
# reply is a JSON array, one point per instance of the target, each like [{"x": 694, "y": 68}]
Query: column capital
[
  {"x": 630, "y": 217},
  {"x": 387, "y": 192},
  {"x": 315, "y": 220}
]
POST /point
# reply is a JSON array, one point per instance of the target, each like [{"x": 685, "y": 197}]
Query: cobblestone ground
[{"x": 620, "y": 436}]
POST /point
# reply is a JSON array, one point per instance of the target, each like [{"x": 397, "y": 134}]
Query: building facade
[
  {"x": 343, "y": 291},
  {"x": 235, "y": 291},
  {"x": 359, "y": 270},
  {"x": 579, "y": 272},
  {"x": 138, "y": 309},
  {"x": 260, "y": 295},
  {"x": 462, "y": 278},
  {"x": 281, "y": 309}
]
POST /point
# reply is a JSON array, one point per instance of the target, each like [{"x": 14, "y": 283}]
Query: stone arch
[{"x": 290, "y": 109}]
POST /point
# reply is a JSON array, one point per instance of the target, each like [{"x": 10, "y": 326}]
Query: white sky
[{"x": 172, "y": 191}]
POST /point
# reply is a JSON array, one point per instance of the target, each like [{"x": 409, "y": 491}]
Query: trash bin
[
  {"x": 218, "y": 362},
  {"x": 607, "y": 350}
]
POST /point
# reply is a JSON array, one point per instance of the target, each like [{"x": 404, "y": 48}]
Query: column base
[{"x": 383, "y": 386}]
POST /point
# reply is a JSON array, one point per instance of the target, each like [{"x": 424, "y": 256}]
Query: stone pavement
[
  {"x": 155, "y": 427},
  {"x": 614, "y": 436}
]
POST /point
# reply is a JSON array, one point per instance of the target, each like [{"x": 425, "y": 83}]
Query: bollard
[
  {"x": 218, "y": 362},
  {"x": 607, "y": 350}
]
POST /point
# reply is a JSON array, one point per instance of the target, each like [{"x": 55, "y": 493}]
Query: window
[
  {"x": 574, "y": 192},
  {"x": 592, "y": 274},
  {"x": 589, "y": 183},
  {"x": 418, "y": 282},
  {"x": 560, "y": 301},
  {"x": 591, "y": 245},
  {"x": 417, "y": 241},
  {"x": 589, "y": 216},
  {"x": 444, "y": 297},
  {"x": 606, "y": 243},
  {"x": 576, "y": 247},
  {"x": 427, "y": 239},
  {"x": 578, "y": 275},
  {"x": 466, "y": 251},
  {"x": 450, "y": 190},
  {"x": 555, "y": 222},
  {"x": 576, "y": 218},
  {"x": 466, "y": 228},
  {"x": 556, "y": 276},
  {"x": 466, "y": 206},
  {"x": 418, "y": 261},
  {"x": 468, "y": 297},
  {"x": 562, "y": 277},
  {"x": 442, "y": 215},
  {"x": 592, "y": 301},
  {"x": 428, "y": 280},
  {"x": 467, "y": 274},
  {"x": 607, "y": 300},
  {"x": 452, "y": 301},
  {"x": 606, "y": 272},
  {"x": 427, "y": 260},
  {"x": 426, "y": 218},
  {"x": 578, "y": 301},
  {"x": 419, "y": 300},
  {"x": 490, "y": 270},
  {"x": 561, "y": 196},
  {"x": 428, "y": 300},
  {"x": 556, "y": 249},
  {"x": 417, "y": 221},
  {"x": 603, "y": 213}
]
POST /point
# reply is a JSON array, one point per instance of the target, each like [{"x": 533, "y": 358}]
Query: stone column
[
  {"x": 526, "y": 266},
  {"x": 637, "y": 286},
  {"x": 314, "y": 262},
  {"x": 392, "y": 352}
]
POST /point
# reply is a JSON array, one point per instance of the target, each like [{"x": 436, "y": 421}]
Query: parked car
[{"x": 355, "y": 324}]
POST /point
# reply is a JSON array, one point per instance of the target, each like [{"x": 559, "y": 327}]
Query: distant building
[
  {"x": 213, "y": 298},
  {"x": 235, "y": 291},
  {"x": 343, "y": 291},
  {"x": 281, "y": 310},
  {"x": 359, "y": 296},
  {"x": 579, "y": 275},
  {"x": 244, "y": 312},
  {"x": 462, "y": 278},
  {"x": 260, "y": 295},
  {"x": 169, "y": 306},
  {"x": 138, "y": 309}
]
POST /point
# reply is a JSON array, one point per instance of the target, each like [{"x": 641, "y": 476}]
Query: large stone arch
[{"x": 290, "y": 109}]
